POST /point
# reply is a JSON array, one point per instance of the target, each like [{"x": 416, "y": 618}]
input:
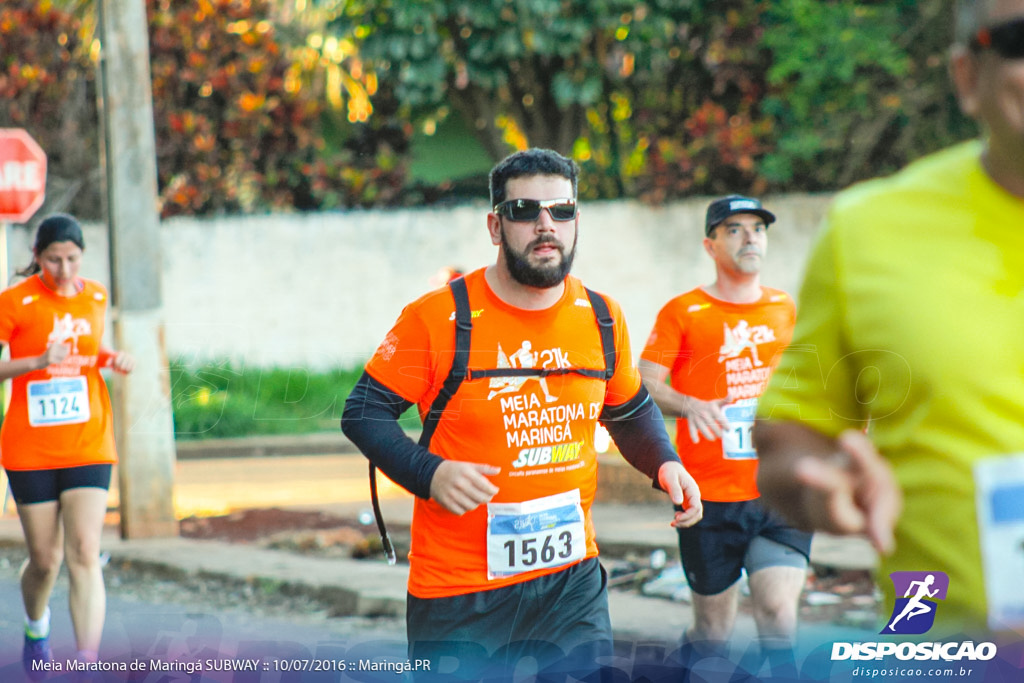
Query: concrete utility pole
[{"x": 145, "y": 429}]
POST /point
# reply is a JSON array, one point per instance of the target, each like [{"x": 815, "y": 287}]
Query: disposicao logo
[{"x": 914, "y": 613}]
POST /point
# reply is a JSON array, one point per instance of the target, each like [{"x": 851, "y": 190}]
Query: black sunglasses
[
  {"x": 1006, "y": 40},
  {"x": 529, "y": 209}
]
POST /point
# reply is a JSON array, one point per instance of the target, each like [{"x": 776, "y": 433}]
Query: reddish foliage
[
  {"x": 47, "y": 87},
  {"x": 707, "y": 134},
  {"x": 237, "y": 127},
  {"x": 231, "y": 137}
]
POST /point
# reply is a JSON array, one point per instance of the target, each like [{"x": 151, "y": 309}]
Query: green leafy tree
[
  {"x": 310, "y": 104},
  {"x": 857, "y": 89},
  {"x": 485, "y": 59},
  {"x": 662, "y": 99},
  {"x": 695, "y": 84},
  {"x": 614, "y": 82}
]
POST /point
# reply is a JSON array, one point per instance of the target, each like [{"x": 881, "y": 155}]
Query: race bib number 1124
[{"x": 58, "y": 401}]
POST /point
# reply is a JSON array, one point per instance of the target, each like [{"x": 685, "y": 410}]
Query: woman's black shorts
[{"x": 41, "y": 486}]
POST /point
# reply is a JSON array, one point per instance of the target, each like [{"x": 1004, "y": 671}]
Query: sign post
[{"x": 145, "y": 432}]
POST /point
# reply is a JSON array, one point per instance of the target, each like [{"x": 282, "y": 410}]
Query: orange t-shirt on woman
[{"x": 59, "y": 416}]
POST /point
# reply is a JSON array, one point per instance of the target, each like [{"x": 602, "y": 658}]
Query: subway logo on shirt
[{"x": 547, "y": 455}]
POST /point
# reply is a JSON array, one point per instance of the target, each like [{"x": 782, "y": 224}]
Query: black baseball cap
[{"x": 720, "y": 209}]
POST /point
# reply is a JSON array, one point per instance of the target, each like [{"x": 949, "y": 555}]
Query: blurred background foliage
[{"x": 279, "y": 105}]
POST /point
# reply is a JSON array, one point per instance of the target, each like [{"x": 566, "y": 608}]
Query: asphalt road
[{"x": 166, "y": 630}]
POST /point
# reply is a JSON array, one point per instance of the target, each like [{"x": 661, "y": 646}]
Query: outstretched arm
[
  {"x": 703, "y": 418},
  {"x": 55, "y": 353},
  {"x": 119, "y": 361},
  {"x": 370, "y": 420},
  {"x": 841, "y": 486},
  {"x": 638, "y": 429}
]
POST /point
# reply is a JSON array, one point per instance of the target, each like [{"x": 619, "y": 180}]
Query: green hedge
[{"x": 222, "y": 400}]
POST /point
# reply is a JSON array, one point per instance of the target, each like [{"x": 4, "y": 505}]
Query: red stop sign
[{"x": 22, "y": 175}]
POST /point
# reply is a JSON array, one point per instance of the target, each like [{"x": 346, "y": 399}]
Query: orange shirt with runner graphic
[
  {"x": 717, "y": 349},
  {"x": 539, "y": 431},
  {"x": 59, "y": 416}
]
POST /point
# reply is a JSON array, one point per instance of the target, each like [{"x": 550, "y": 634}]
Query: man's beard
[{"x": 543, "y": 276}]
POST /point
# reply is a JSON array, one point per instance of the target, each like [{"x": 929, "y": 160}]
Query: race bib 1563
[{"x": 535, "y": 534}]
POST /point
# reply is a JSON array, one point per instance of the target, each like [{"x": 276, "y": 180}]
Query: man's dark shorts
[
  {"x": 560, "y": 619},
  {"x": 717, "y": 548}
]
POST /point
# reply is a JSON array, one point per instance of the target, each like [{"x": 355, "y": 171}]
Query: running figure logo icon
[
  {"x": 914, "y": 613},
  {"x": 68, "y": 329},
  {"x": 743, "y": 336},
  {"x": 525, "y": 357}
]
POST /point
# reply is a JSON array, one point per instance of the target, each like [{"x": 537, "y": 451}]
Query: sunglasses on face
[
  {"x": 529, "y": 209},
  {"x": 1006, "y": 40}
]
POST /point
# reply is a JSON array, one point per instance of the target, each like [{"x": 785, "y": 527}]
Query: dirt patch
[{"x": 306, "y": 532}]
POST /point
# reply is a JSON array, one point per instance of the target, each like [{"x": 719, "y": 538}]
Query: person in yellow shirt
[{"x": 898, "y": 411}]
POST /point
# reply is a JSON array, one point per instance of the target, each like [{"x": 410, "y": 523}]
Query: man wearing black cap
[{"x": 717, "y": 346}]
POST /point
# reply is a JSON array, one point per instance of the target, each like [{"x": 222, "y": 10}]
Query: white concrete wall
[{"x": 321, "y": 290}]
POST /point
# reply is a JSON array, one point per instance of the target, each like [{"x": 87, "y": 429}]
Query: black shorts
[
  {"x": 559, "y": 619},
  {"x": 715, "y": 549},
  {"x": 41, "y": 486}
]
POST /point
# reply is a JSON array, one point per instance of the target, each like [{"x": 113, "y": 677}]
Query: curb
[
  {"x": 320, "y": 443},
  {"x": 346, "y": 587}
]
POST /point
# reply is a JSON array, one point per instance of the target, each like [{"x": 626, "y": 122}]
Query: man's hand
[
  {"x": 704, "y": 418},
  {"x": 462, "y": 486},
  {"x": 853, "y": 492},
  {"x": 682, "y": 490}
]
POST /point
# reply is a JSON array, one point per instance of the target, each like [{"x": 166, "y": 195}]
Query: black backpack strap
[
  {"x": 382, "y": 529},
  {"x": 460, "y": 360},
  {"x": 535, "y": 372},
  {"x": 463, "y": 328},
  {"x": 606, "y": 326}
]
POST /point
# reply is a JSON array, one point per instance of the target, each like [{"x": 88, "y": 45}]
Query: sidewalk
[{"x": 628, "y": 515}]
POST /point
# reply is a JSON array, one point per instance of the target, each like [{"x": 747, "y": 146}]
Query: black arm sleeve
[
  {"x": 370, "y": 421},
  {"x": 638, "y": 429}
]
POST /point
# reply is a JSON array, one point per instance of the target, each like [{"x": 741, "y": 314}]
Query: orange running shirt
[
  {"x": 540, "y": 432},
  {"x": 59, "y": 416},
  {"x": 717, "y": 349}
]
